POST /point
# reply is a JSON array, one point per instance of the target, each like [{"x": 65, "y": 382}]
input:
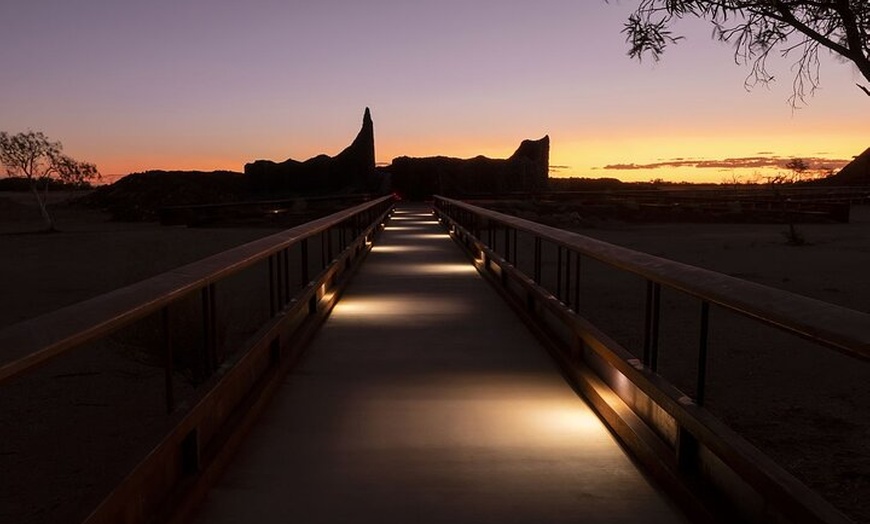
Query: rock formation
[
  {"x": 856, "y": 172},
  {"x": 352, "y": 170},
  {"x": 526, "y": 170}
]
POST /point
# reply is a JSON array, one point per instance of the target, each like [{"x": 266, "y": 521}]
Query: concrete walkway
[{"x": 424, "y": 399}]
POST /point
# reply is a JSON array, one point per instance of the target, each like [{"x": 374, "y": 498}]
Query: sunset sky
[{"x": 194, "y": 84}]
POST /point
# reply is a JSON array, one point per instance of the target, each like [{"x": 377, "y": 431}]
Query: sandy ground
[
  {"x": 90, "y": 255},
  {"x": 809, "y": 409}
]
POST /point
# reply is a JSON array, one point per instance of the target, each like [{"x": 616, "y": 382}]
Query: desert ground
[{"x": 807, "y": 407}]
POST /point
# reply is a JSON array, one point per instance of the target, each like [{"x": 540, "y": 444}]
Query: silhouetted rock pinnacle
[{"x": 352, "y": 170}]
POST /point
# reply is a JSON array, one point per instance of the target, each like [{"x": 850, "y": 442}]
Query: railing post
[
  {"x": 287, "y": 278},
  {"x": 515, "y": 247},
  {"x": 700, "y": 393},
  {"x": 651, "y": 331},
  {"x": 304, "y": 256},
  {"x": 577, "y": 284},
  {"x": 507, "y": 244},
  {"x": 209, "y": 320},
  {"x": 568, "y": 277},
  {"x": 559, "y": 272},
  {"x": 273, "y": 302},
  {"x": 167, "y": 359},
  {"x": 279, "y": 269},
  {"x": 537, "y": 268}
]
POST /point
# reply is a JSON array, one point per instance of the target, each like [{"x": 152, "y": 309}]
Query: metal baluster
[
  {"x": 568, "y": 277},
  {"x": 279, "y": 268},
  {"x": 657, "y": 309},
  {"x": 209, "y": 321},
  {"x": 273, "y": 309},
  {"x": 167, "y": 359},
  {"x": 507, "y": 243},
  {"x": 515, "y": 247},
  {"x": 702, "y": 353},
  {"x": 287, "y": 276},
  {"x": 304, "y": 256},
  {"x": 577, "y": 284}
]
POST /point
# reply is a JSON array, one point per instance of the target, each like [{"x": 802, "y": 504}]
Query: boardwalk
[{"x": 424, "y": 399}]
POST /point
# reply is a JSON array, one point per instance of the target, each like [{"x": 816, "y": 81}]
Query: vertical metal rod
[
  {"x": 167, "y": 359},
  {"x": 304, "y": 261},
  {"x": 559, "y": 272},
  {"x": 568, "y": 277},
  {"x": 702, "y": 353},
  {"x": 507, "y": 244},
  {"x": 537, "y": 268},
  {"x": 212, "y": 293},
  {"x": 323, "y": 250},
  {"x": 209, "y": 357},
  {"x": 515, "y": 247},
  {"x": 273, "y": 307},
  {"x": 328, "y": 247},
  {"x": 279, "y": 269},
  {"x": 577, "y": 284},
  {"x": 654, "y": 335},
  {"x": 647, "y": 323},
  {"x": 287, "y": 276}
]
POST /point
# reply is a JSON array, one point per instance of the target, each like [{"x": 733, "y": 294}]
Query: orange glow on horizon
[{"x": 571, "y": 156}]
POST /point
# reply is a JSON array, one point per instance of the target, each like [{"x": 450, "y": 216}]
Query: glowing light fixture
[
  {"x": 443, "y": 269},
  {"x": 401, "y": 228},
  {"x": 397, "y": 249},
  {"x": 387, "y": 308},
  {"x": 430, "y": 236}
]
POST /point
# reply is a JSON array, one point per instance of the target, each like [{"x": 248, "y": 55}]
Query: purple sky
[{"x": 191, "y": 84}]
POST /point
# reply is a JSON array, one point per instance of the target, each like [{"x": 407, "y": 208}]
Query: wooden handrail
[
  {"x": 33, "y": 342},
  {"x": 837, "y": 327}
]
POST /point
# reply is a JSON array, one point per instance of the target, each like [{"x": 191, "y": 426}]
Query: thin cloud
[{"x": 751, "y": 162}]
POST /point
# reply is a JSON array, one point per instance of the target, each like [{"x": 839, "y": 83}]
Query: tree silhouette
[
  {"x": 33, "y": 156},
  {"x": 799, "y": 169},
  {"x": 799, "y": 28}
]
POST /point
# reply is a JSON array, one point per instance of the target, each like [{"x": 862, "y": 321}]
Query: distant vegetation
[
  {"x": 140, "y": 196},
  {"x": 41, "y": 162},
  {"x": 22, "y": 184}
]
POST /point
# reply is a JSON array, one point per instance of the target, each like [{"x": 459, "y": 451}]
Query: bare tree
[
  {"x": 800, "y": 28},
  {"x": 33, "y": 156},
  {"x": 799, "y": 168}
]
